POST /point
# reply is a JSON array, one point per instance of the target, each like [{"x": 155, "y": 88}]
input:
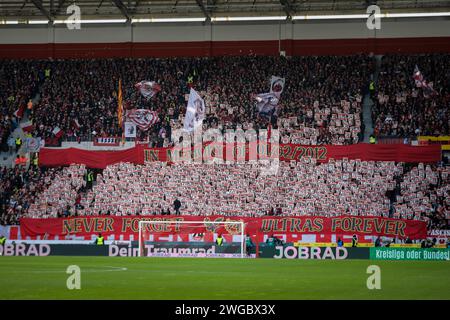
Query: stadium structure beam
[
  {"x": 136, "y": 5},
  {"x": 288, "y": 8},
  {"x": 60, "y": 4},
  {"x": 119, "y": 4},
  {"x": 38, "y": 4},
  {"x": 205, "y": 12}
]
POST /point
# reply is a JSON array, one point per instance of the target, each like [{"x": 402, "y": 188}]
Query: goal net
[{"x": 192, "y": 239}]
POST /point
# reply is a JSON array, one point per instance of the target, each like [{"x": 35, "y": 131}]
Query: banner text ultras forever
[{"x": 266, "y": 225}]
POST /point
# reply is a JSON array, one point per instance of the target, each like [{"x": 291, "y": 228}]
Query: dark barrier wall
[
  {"x": 286, "y": 251},
  {"x": 174, "y": 249},
  {"x": 43, "y": 250}
]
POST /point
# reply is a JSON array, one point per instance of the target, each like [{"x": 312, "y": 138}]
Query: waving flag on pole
[
  {"x": 421, "y": 83},
  {"x": 142, "y": 118},
  {"x": 195, "y": 112},
  {"x": 27, "y": 126},
  {"x": 57, "y": 132},
  {"x": 418, "y": 77},
  {"x": 277, "y": 85},
  {"x": 266, "y": 104},
  {"x": 19, "y": 112},
  {"x": 148, "y": 88},
  {"x": 76, "y": 124}
]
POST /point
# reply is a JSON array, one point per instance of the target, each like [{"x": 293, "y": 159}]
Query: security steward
[
  {"x": 100, "y": 240},
  {"x": 90, "y": 179},
  {"x": 372, "y": 89},
  {"x": 18, "y": 143},
  {"x": 354, "y": 241},
  {"x": 36, "y": 160},
  {"x": 2, "y": 240},
  {"x": 372, "y": 139},
  {"x": 190, "y": 81},
  {"x": 219, "y": 240}
]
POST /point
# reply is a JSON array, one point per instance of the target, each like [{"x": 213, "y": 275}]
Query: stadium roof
[{"x": 209, "y": 9}]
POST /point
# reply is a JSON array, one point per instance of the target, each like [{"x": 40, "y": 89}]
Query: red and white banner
[
  {"x": 58, "y": 132},
  {"x": 27, "y": 126},
  {"x": 142, "y": 118},
  {"x": 148, "y": 88},
  {"x": 140, "y": 154},
  {"x": 298, "y": 226}
]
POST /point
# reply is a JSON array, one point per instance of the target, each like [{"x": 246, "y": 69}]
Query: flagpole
[{"x": 120, "y": 110}]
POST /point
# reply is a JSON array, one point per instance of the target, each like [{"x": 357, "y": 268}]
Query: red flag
[
  {"x": 19, "y": 112},
  {"x": 58, "y": 132},
  {"x": 27, "y": 126}
]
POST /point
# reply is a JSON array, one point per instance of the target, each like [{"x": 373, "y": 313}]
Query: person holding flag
[
  {"x": 427, "y": 88},
  {"x": 195, "y": 112},
  {"x": 148, "y": 88},
  {"x": 267, "y": 103}
]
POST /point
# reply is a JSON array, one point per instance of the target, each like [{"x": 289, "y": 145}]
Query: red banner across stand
[
  {"x": 287, "y": 152},
  {"x": 86, "y": 227}
]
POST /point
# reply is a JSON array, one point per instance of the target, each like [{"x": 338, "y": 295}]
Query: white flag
[
  {"x": 267, "y": 104},
  {"x": 130, "y": 130},
  {"x": 195, "y": 112},
  {"x": 277, "y": 85}
]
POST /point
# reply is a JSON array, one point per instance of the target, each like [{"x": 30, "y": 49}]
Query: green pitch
[{"x": 190, "y": 278}]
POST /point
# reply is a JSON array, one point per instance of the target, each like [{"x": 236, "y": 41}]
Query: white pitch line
[{"x": 112, "y": 269}]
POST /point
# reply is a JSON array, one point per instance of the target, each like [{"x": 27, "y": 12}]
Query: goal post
[{"x": 191, "y": 238}]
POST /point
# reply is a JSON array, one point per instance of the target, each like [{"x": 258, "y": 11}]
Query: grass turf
[{"x": 202, "y": 278}]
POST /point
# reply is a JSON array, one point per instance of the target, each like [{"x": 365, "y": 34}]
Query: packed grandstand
[{"x": 321, "y": 104}]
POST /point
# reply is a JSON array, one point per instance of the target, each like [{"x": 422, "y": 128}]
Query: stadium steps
[
  {"x": 7, "y": 159},
  {"x": 367, "y": 117},
  {"x": 368, "y": 103}
]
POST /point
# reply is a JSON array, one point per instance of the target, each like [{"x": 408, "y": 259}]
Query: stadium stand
[
  {"x": 19, "y": 81},
  {"x": 301, "y": 188},
  {"x": 403, "y": 110},
  {"x": 321, "y": 104}
]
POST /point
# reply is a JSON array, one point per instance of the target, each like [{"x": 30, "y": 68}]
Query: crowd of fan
[
  {"x": 425, "y": 192},
  {"x": 336, "y": 188},
  {"x": 401, "y": 109},
  {"x": 19, "y": 188},
  {"x": 18, "y": 83},
  {"x": 321, "y": 102}
]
